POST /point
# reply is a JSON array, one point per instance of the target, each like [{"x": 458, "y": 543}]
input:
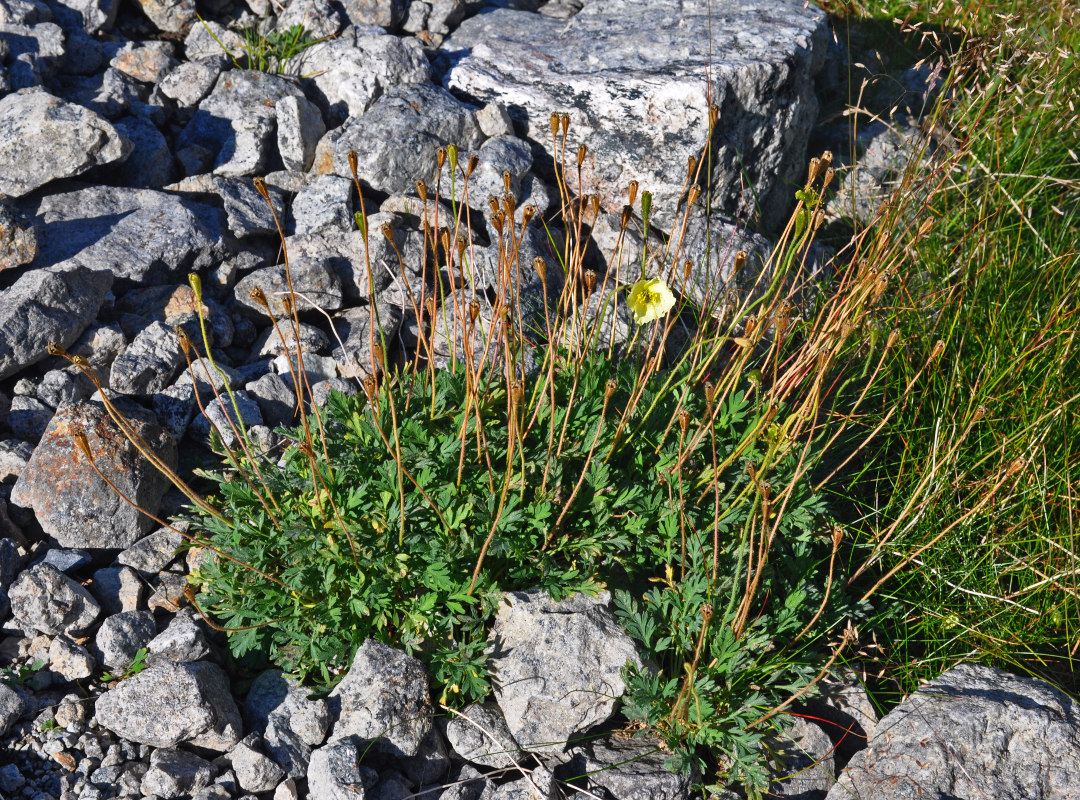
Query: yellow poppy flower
[{"x": 650, "y": 299}]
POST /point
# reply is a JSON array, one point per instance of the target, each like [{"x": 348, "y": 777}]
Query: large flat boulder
[{"x": 637, "y": 77}]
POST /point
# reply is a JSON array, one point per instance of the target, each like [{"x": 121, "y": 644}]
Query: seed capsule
[
  {"x": 609, "y": 388},
  {"x": 506, "y": 178},
  {"x": 631, "y": 191},
  {"x": 590, "y": 280},
  {"x": 540, "y": 265},
  {"x": 581, "y": 151},
  {"x": 440, "y": 157},
  {"x": 554, "y": 122},
  {"x": 474, "y": 309},
  {"x": 564, "y": 120},
  {"x": 421, "y": 189}
]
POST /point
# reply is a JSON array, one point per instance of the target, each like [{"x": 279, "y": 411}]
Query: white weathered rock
[
  {"x": 300, "y": 126},
  {"x": 557, "y": 666},
  {"x": 324, "y": 204},
  {"x": 47, "y": 600},
  {"x": 43, "y": 139},
  {"x": 973, "y": 732},
  {"x": 632, "y": 74}
]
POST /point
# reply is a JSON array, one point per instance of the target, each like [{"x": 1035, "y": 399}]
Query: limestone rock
[
  {"x": 169, "y": 703},
  {"x": 47, "y": 600},
  {"x": 43, "y": 139},
  {"x": 973, "y": 732}
]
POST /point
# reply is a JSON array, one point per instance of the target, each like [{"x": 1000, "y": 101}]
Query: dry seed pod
[
  {"x": 691, "y": 167},
  {"x": 564, "y": 120},
  {"x": 440, "y": 157},
  {"x": 894, "y": 337},
  {"x": 590, "y": 280},
  {"x": 377, "y": 351},
  {"x": 260, "y": 187},
  {"x": 387, "y": 231},
  {"x": 581, "y": 151},
  {"x": 706, "y": 612},
  {"x": 627, "y": 212},
  {"x": 740, "y": 262},
  {"x": 493, "y": 202},
  {"x": 421, "y": 189},
  {"x": 980, "y": 412},
  {"x": 287, "y": 304},
  {"x": 506, "y": 179},
  {"x": 474, "y": 162},
  {"x": 182, "y": 337},
  {"x": 509, "y": 204},
  {"x": 751, "y": 470},
  {"x": 812, "y": 171},
  {"x": 55, "y": 349},
  {"x": 460, "y": 244},
  {"x": 631, "y": 191},
  {"x": 687, "y": 268},
  {"x": 609, "y": 388},
  {"x": 429, "y": 304},
  {"x": 714, "y": 115},
  {"x": 370, "y": 386},
  {"x": 837, "y": 536},
  {"x": 353, "y": 161},
  {"x": 926, "y": 226},
  {"x": 554, "y": 122},
  {"x": 826, "y": 159},
  {"x": 751, "y": 325},
  {"x": 259, "y": 296},
  {"x": 517, "y": 390},
  {"x": 474, "y": 309},
  {"x": 939, "y": 348},
  {"x": 881, "y": 285},
  {"x": 693, "y": 195},
  {"x": 830, "y": 173},
  {"x": 594, "y": 205},
  {"x": 527, "y": 215},
  {"x": 684, "y": 420},
  {"x": 540, "y": 265},
  {"x": 444, "y": 239},
  {"x": 497, "y": 221}
]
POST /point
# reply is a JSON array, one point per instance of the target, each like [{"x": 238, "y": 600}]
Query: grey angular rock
[
  {"x": 345, "y": 254},
  {"x": 155, "y": 551},
  {"x": 384, "y": 697},
  {"x": 14, "y": 455},
  {"x": 149, "y": 363},
  {"x": 111, "y": 93},
  {"x": 291, "y": 725},
  {"x": 93, "y": 15},
  {"x": 324, "y": 204},
  {"x": 69, "y": 661},
  {"x": 255, "y": 772},
  {"x": 121, "y": 636},
  {"x": 171, "y": 16},
  {"x": 397, "y": 137},
  {"x": 276, "y": 399},
  {"x": 176, "y": 407},
  {"x": 205, "y": 40},
  {"x": 12, "y": 707},
  {"x": 183, "y": 640},
  {"x": 494, "y": 120},
  {"x": 386, "y": 14},
  {"x": 191, "y": 81},
  {"x": 18, "y": 238},
  {"x": 354, "y": 356},
  {"x": 350, "y": 72},
  {"x": 248, "y": 150},
  {"x": 539, "y": 784},
  {"x": 150, "y": 164},
  {"x": 848, "y": 716},
  {"x": 300, "y": 126},
  {"x": 62, "y": 387},
  {"x": 431, "y": 764},
  {"x": 29, "y": 418},
  {"x": 883, "y": 152},
  {"x": 169, "y": 703},
  {"x": 480, "y": 735},
  {"x": 246, "y": 210},
  {"x": 72, "y": 502},
  {"x": 802, "y": 761},
  {"x": 497, "y": 155},
  {"x": 320, "y": 391},
  {"x": 35, "y": 53},
  {"x": 222, "y": 416},
  {"x": 973, "y": 732},
  {"x": 335, "y": 774},
  {"x": 558, "y": 666},
  {"x": 242, "y": 103},
  {"x": 632, "y": 72},
  {"x": 270, "y": 345},
  {"x": 24, "y": 12},
  {"x": 630, "y": 769},
  {"x": 66, "y": 560},
  {"x": 315, "y": 283},
  {"x": 140, "y": 236},
  {"x": 176, "y": 773},
  {"x": 46, "y": 600},
  {"x": 320, "y": 18},
  {"x": 43, "y": 139},
  {"x": 100, "y": 344},
  {"x": 117, "y": 589}
]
